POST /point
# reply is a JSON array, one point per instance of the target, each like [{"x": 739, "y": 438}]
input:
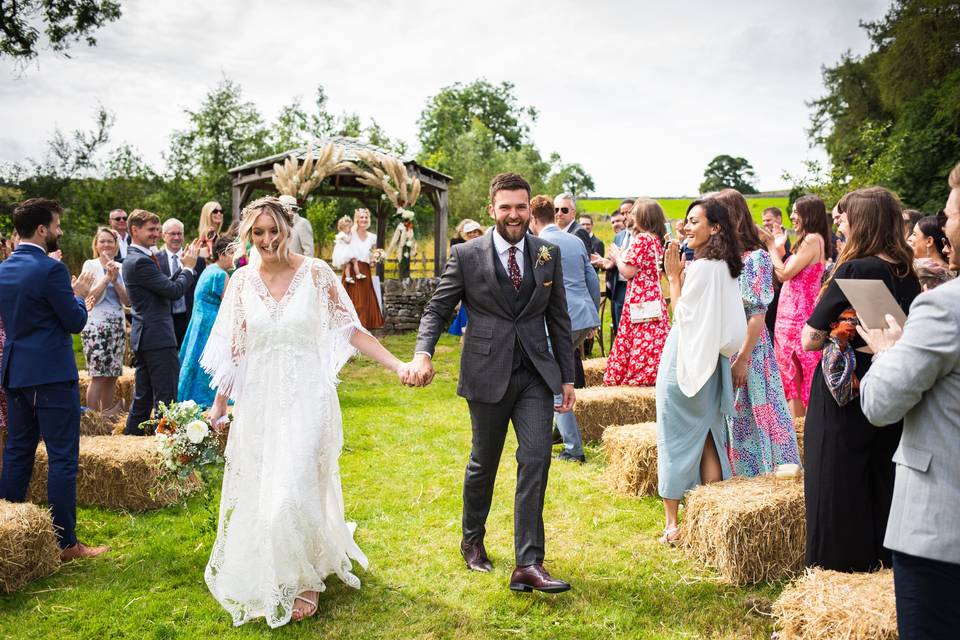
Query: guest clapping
[
  {"x": 194, "y": 382},
  {"x": 848, "y": 480},
  {"x": 694, "y": 387},
  {"x": 170, "y": 260},
  {"x": 644, "y": 321},
  {"x": 103, "y": 336},
  {"x": 211, "y": 223},
  {"x": 924, "y": 529}
]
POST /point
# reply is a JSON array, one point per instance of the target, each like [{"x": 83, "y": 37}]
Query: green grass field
[
  {"x": 676, "y": 208},
  {"x": 402, "y": 470}
]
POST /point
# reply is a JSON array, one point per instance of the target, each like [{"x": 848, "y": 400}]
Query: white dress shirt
[
  {"x": 502, "y": 248},
  {"x": 123, "y": 246}
]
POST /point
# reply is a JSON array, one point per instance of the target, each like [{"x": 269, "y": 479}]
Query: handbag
[
  {"x": 839, "y": 362},
  {"x": 644, "y": 311}
]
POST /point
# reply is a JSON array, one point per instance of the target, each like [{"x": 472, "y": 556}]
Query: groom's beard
[
  {"x": 507, "y": 233},
  {"x": 52, "y": 244}
]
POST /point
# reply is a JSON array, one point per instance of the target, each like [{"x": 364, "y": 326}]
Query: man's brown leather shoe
[
  {"x": 475, "y": 556},
  {"x": 81, "y": 550},
  {"x": 535, "y": 577}
]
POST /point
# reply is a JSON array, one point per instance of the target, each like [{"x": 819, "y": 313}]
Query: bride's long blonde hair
[{"x": 281, "y": 216}]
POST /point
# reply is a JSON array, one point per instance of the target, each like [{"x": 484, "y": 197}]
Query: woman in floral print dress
[
  {"x": 760, "y": 434},
  {"x": 635, "y": 354}
]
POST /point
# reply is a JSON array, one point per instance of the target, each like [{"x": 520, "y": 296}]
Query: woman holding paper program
[{"x": 849, "y": 473}]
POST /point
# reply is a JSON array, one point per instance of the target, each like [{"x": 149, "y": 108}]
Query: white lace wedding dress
[{"x": 282, "y": 529}]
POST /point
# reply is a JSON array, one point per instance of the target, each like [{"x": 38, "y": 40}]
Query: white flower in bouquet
[
  {"x": 197, "y": 431},
  {"x": 188, "y": 405}
]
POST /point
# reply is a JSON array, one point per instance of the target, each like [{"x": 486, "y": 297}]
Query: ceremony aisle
[{"x": 402, "y": 472}]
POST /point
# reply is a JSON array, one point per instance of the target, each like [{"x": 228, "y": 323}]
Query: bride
[{"x": 285, "y": 328}]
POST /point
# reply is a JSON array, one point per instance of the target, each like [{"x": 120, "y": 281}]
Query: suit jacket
[
  {"x": 495, "y": 328},
  {"x": 919, "y": 380},
  {"x": 301, "y": 238},
  {"x": 188, "y": 296},
  {"x": 612, "y": 274},
  {"x": 579, "y": 279},
  {"x": 581, "y": 233},
  {"x": 39, "y": 313},
  {"x": 151, "y": 294}
]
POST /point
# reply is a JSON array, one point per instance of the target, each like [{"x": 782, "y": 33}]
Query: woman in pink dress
[
  {"x": 801, "y": 277},
  {"x": 644, "y": 323}
]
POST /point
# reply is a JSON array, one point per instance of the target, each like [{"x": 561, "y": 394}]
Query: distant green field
[{"x": 675, "y": 208}]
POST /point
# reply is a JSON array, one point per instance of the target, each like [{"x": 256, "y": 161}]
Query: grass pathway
[{"x": 402, "y": 471}]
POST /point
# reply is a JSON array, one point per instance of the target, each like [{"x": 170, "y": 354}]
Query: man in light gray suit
[
  {"x": 583, "y": 297},
  {"x": 512, "y": 285},
  {"x": 916, "y": 377}
]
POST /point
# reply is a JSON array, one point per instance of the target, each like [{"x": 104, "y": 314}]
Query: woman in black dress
[{"x": 849, "y": 471}]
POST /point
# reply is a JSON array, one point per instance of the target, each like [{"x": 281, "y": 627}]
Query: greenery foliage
[
  {"x": 728, "y": 172},
  {"x": 892, "y": 117},
  {"x": 65, "y": 22}
]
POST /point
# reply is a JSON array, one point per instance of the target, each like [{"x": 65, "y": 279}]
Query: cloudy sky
[{"x": 642, "y": 94}]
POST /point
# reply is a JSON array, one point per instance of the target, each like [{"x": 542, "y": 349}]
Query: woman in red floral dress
[{"x": 645, "y": 322}]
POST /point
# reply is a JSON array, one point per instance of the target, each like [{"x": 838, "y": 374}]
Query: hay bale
[
  {"x": 116, "y": 472},
  {"x": 631, "y": 458},
  {"x": 97, "y": 423},
  {"x": 593, "y": 371},
  {"x": 748, "y": 529},
  {"x": 798, "y": 424},
  {"x": 600, "y": 407},
  {"x": 123, "y": 392},
  {"x": 831, "y": 604},
  {"x": 28, "y": 545}
]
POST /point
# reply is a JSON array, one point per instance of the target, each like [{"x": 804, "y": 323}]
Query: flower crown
[{"x": 269, "y": 202}]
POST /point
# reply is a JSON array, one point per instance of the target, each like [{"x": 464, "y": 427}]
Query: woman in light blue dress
[
  {"x": 194, "y": 382},
  {"x": 694, "y": 386}
]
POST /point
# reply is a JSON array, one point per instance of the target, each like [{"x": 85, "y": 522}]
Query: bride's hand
[{"x": 217, "y": 411}]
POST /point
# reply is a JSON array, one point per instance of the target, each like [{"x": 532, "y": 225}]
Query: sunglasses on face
[
  {"x": 216, "y": 211},
  {"x": 561, "y": 209},
  {"x": 123, "y": 219}
]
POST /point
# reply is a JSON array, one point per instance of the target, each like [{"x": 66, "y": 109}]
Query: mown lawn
[
  {"x": 402, "y": 473},
  {"x": 676, "y": 208}
]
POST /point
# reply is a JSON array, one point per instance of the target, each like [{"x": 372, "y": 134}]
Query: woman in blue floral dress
[
  {"x": 194, "y": 382},
  {"x": 761, "y": 434}
]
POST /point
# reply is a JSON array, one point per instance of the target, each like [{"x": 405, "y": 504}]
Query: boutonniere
[{"x": 543, "y": 256}]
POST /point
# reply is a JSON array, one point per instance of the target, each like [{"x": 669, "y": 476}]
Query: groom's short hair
[
  {"x": 541, "y": 208},
  {"x": 508, "y": 182},
  {"x": 33, "y": 213},
  {"x": 140, "y": 217}
]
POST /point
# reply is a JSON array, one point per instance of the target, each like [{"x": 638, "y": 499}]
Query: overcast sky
[{"x": 642, "y": 94}]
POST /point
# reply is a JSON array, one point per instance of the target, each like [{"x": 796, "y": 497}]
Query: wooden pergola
[{"x": 258, "y": 174}]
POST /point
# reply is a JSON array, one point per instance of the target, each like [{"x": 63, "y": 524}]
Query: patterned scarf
[{"x": 839, "y": 361}]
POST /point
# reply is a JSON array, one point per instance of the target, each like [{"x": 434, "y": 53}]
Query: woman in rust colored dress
[{"x": 361, "y": 290}]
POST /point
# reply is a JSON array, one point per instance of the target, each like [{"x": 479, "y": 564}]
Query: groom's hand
[
  {"x": 569, "y": 399},
  {"x": 421, "y": 368}
]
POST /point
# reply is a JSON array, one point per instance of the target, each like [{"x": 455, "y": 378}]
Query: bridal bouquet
[{"x": 186, "y": 440}]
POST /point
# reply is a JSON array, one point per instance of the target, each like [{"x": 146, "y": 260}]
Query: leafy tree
[
  {"x": 65, "y": 22},
  {"x": 725, "y": 172}
]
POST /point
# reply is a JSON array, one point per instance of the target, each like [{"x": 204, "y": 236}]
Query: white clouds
[{"x": 642, "y": 94}]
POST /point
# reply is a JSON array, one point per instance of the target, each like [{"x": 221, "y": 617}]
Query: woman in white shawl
[{"x": 694, "y": 387}]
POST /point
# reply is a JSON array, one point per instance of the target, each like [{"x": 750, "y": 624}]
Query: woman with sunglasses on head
[
  {"x": 694, "y": 386},
  {"x": 848, "y": 479},
  {"x": 211, "y": 222}
]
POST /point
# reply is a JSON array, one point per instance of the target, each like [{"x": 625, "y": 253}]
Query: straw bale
[
  {"x": 593, "y": 369},
  {"x": 123, "y": 392},
  {"x": 798, "y": 424},
  {"x": 831, "y": 604},
  {"x": 28, "y": 545},
  {"x": 631, "y": 458},
  {"x": 749, "y": 529},
  {"x": 97, "y": 423},
  {"x": 116, "y": 472},
  {"x": 600, "y": 407}
]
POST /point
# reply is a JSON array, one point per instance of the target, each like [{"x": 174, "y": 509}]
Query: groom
[{"x": 512, "y": 285}]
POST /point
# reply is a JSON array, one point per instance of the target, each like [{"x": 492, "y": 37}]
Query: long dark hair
[
  {"x": 743, "y": 224},
  {"x": 723, "y": 245},
  {"x": 932, "y": 227},
  {"x": 813, "y": 216}
]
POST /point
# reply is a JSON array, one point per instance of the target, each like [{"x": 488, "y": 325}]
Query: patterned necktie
[
  {"x": 514, "y": 268},
  {"x": 180, "y": 304}
]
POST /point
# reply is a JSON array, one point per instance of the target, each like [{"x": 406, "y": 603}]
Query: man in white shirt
[
  {"x": 118, "y": 222},
  {"x": 171, "y": 261},
  {"x": 301, "y": 240}
]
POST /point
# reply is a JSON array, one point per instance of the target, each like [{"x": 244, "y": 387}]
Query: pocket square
[{"x": 548, "y": 283}]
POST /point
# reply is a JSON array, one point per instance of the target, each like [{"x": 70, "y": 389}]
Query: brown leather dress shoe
[
  {"x": 535, "y": 577},
  {"x": 475, "y": 556},
  {"x": 81, "y": 550}
]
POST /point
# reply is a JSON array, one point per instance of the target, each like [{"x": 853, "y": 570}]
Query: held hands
[
  {"x": 190, "y": 253},
  {"x": 569, "y": 399},
  {"x": 673, "y": 261},
  {"x": 881, "y": 339},
  {"x": 418, "y": 372},
  {"x": 81, "y": 284}
]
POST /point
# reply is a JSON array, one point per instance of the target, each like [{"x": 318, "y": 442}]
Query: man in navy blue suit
[{"x": 41, "y": 307}]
